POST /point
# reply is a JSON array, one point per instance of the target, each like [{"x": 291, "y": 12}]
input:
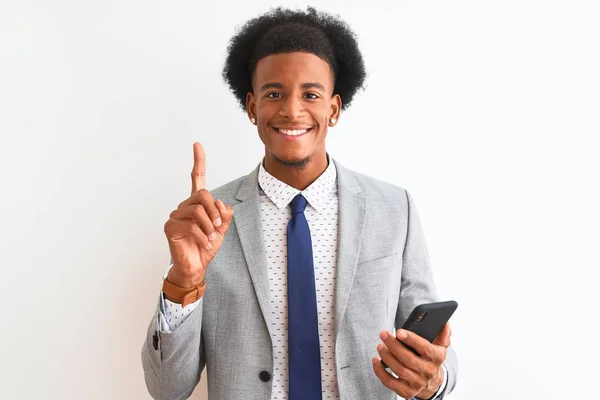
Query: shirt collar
[{"x": 281, "y": 194}]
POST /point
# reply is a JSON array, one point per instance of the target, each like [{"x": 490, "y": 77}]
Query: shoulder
[{"x": 377, "y": 189}]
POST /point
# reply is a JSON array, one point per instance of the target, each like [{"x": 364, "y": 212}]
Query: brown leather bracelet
[{"x": 183, "y": 296}]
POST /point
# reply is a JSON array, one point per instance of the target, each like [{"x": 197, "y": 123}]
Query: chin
[{"x": 293, "y": 161}]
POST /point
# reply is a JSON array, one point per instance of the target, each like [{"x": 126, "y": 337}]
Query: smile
[{"x": 292, "y": 132}]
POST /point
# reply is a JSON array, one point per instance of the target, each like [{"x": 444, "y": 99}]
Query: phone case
[{"x": 428, "y": 320}]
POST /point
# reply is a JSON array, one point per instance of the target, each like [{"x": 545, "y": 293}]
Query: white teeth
[{"x": 293, "y": 132}]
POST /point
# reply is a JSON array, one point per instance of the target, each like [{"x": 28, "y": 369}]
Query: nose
[{"x": 292, "y": 108}]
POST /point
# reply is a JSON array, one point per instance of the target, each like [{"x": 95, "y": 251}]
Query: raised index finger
[{"x": 199, "y": 169}]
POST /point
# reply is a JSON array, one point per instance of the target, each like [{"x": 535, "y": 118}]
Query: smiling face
[{"x": 293, "y": 105}]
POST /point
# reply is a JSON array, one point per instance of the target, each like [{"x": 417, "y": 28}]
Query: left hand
[{"x": 418, "y": 375}]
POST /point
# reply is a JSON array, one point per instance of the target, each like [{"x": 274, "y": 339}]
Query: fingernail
[
  {"x": 209, "y": 246},
  {"x": 218, "y": 222},
  {"x": 402, "y": 334},
  {"x": 383, "y": 335},
  {"x": 212, "y": 236},
  {"x": 380, "y": 347}
]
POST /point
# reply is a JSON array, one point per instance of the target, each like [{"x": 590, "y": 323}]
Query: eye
[
  {"x": 273, "y": 95},
  {"x": 312, "y": 96}
]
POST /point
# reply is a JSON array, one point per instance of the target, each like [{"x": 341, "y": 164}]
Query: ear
[
  {"x": 251, "y": 106},
  {"x": 336, "y": 109}
]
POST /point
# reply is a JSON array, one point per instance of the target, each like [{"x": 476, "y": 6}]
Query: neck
[{"x": 298, "y": 177}]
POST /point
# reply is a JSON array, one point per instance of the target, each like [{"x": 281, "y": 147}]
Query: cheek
[
  {"x": 319, "y": 113},
  {"x": 324, "y": 121},
  {"x": 265, "y": 111}
]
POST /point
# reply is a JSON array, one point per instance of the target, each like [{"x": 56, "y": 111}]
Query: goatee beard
[{"x": 300, "y": 165}]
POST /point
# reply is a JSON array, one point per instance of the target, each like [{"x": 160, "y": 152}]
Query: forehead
[{"x": 292, "y": 68}]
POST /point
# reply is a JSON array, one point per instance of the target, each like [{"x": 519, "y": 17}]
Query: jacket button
[{"x": 264, "y": 376}]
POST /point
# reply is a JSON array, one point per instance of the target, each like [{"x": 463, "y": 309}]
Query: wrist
[
  {"x": 183, "y": 280},
  {"x": 430, "y": 392},
  {"x": 182, "y": 295}
]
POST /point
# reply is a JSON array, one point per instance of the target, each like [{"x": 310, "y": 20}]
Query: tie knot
[{"x": 298, "y": 204}]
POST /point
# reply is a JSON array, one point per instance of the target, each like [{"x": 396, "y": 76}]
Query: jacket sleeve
[
  {"x": 173, "y": 361},
  {"x": 417, "y": 285}
]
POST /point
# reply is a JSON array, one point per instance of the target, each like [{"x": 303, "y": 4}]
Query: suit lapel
[
  {"x": 351, "y": 223},
  {"x": 249, "y": 228}
]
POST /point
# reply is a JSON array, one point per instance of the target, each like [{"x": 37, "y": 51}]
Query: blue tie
[{"x": 303, "y": 333}]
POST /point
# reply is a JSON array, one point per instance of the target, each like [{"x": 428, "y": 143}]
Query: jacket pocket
[{"x": 378, "y": 264}]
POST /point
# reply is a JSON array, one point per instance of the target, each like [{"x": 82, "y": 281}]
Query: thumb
[
  {"x": 226, "y": 216},
  {"x": 443, "y": 339}
]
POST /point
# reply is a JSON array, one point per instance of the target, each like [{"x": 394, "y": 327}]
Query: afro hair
[{"x": 284, "y": 31}]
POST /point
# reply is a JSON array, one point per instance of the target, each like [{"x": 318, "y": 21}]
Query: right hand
[{"x": 196, "y": 229}]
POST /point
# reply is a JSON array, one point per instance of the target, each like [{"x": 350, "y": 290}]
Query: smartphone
[{"x": 428, "y": 320}]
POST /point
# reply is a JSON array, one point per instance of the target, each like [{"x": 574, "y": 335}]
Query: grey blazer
[{"x": 383, "y": 272}]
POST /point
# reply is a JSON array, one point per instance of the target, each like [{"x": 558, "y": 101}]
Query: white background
[{"x": 487, "y": 112}]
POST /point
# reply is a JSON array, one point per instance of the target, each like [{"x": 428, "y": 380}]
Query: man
[{"x": 288, "y": 283}]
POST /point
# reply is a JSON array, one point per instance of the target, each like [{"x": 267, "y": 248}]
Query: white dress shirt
[{"x": 322, "y": 217}]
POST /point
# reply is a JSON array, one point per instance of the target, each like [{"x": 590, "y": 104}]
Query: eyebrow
[
  {"x": 313, "y": 85},
  {"x": 277, "y": 85},
  {"x": 271, "y": 85}
]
